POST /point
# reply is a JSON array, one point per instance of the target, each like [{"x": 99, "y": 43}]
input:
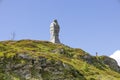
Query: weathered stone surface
[
  {"x": 111, "y": 63},
  {"x": 60, "y": 51},
  {"x": 88, "y": 58},
  {"x": 42, "y": 68},
  {"x": 54, "y": 31}
]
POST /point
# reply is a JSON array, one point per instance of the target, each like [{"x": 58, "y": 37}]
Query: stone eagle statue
[{"x": 54, "y": 31}]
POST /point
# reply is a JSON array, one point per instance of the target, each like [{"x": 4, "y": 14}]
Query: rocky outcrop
[
  {"x": 88, "y": 58},
  {"x": 43, "y": 60},
  {"x": 112, "y": 63},
  {"x": 26, "y": 67},
  {"x": 101, "y": 62}
]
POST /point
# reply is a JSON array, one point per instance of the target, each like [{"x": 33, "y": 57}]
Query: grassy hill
[{"x": 43, "y": 60}]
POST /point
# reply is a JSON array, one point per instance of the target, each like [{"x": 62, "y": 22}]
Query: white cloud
[{"x": 116, "y": 56}]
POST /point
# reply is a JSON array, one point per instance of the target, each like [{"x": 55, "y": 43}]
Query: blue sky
[{"x": 92, "y": 25}]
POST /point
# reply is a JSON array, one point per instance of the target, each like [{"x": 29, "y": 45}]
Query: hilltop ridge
[{"x": 43, "y": 60}]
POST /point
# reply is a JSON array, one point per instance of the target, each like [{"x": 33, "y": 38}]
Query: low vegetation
[{"x": 43, "y": 60}]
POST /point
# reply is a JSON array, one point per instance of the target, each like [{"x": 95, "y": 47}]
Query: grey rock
[
  {"x": 88, "y": 58},
  {"x": 54, "y": 31},
  {"x": 111, "y": 63},
  {"x": 24, "y": 56},
  {"x": 61, "y": 51}
]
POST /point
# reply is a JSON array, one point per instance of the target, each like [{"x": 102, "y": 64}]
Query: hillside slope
[{"x": 42, "y": 60}]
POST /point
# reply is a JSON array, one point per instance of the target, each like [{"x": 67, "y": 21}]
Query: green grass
[{"x": 71, "y": 56}]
